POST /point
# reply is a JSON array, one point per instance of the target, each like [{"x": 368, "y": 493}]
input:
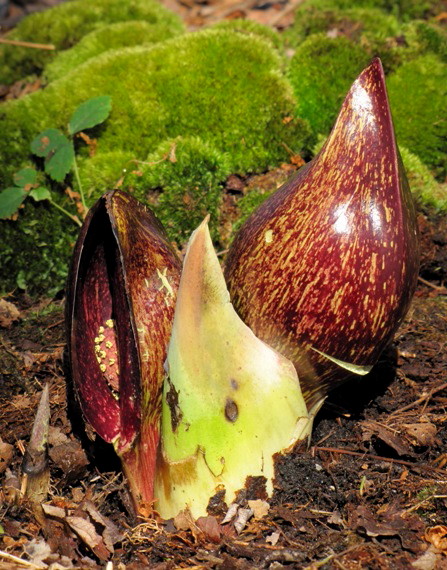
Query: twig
[
  {"x": 18, "y": 560},
  {"x": 432, "y": 285},
  {"x": 27, "y": 44},
  {"x": 368, "y": 456},
  {"x": 421, "y": 399},
  {"x": 417, "y": 505}
]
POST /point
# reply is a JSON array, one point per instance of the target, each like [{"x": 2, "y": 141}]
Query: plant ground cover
[{"x": 370, "y": 492}]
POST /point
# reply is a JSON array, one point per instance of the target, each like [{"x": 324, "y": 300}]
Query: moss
[
  {"x": 248, "y": 204},
  {"x": 113, "y": 36},
  {"x": 426, "y": 190},
  {"x": 421, "y": 37},
  {"x": 251, "y": 28},
  {"x": 321, "y": 72},
  {"x": 65, "y": 24},
  {"x": 104, "y": 171},
  {"x": 34, "y": 254},
  {"x": 418, "y": 98},
  {"x": 222, "y": 87},
  {"x": 404, "y": 10},
  {"x": 186, "y": 172},
  {"x": 368, "y": 25}
]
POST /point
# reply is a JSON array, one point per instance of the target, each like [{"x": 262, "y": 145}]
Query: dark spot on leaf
[
  {"x": 172, "y": 401},
  {"x": 234, "y": 384},
  {"x": 231, "y": 410}
]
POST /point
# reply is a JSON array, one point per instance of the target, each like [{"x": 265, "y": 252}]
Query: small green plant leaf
[
  {"x": 59, "y": 164},
  {"x": 40, "y": 193},
  {"x": 10, "y": 200},
  {"x": 89, "y": 114},
  {"x": 25, "y": 177},
  {"x": 47, "y": 142}
]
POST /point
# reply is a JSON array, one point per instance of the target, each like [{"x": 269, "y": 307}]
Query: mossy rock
[
  {"x": 222, "y": 87},
  {"x": 181, "y": 180},
  {"x": 418, "y": 99},
  {"x": 65, "y": 24},
  {"x": 321, "y": 72},
  {"x": 113, "y": 36}
]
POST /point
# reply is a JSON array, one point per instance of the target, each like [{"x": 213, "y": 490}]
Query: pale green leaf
[{"x": 40, "y": 193}]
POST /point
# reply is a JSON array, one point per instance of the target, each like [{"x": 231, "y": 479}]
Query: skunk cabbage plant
[
  {"x": 325, "y": 269},
  {"x": 230, "y": 402},
  {"x": 319, "y": 278},
  {"x": 120, "y": 305}
]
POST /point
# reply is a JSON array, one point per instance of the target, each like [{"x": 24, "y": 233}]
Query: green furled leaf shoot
[
  {"x": 230, "y": 401},
  {"x": 90, "y": 113}
]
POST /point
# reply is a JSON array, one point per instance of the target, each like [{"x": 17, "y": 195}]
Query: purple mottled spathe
[{"x": 329, "y": 263}]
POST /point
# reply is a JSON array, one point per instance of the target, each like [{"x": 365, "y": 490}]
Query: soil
[{"x": 370, "y": 491}]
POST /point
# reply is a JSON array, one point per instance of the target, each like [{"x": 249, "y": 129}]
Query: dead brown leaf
[
  {"x": 389, "y": 436},
  {"x": 423, "y": 433},
  {"x": 8, "y": 313},
  {"x": 70, "y": 457},
  {"x": 87, "y": 533},
  {"x": 6, "y": 453},
  {"x": 389, "y": 521},
  {"x": 211, "y": 529},
  {"x": 437, "y": 535},
  {"x": 259, "y": 507}
]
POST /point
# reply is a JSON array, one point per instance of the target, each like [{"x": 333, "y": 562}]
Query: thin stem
[
  {"x": 74, "y": 218},
  {"x": 26, "y": 44},
  {"x": 78, "y": 181}
]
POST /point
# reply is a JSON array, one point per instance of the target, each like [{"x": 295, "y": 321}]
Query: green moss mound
[
  {"x": 371, "y": 26},
  {"x": 421, "y": 37},
  {"x": 249, "y": 28},
  {"x": 65, "y": 24},
  {"x": 187, "y": 172},
  {"x": 224, "y": 87},
  {"x": 403, "y": 9},
  {"x": 426, "y": 190},
  {"x": 222, "y": 92},
  {"x": 321, "y": 72},
  {"x": 418, "y": 99},
  {"x": 113, "y": 36}
]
